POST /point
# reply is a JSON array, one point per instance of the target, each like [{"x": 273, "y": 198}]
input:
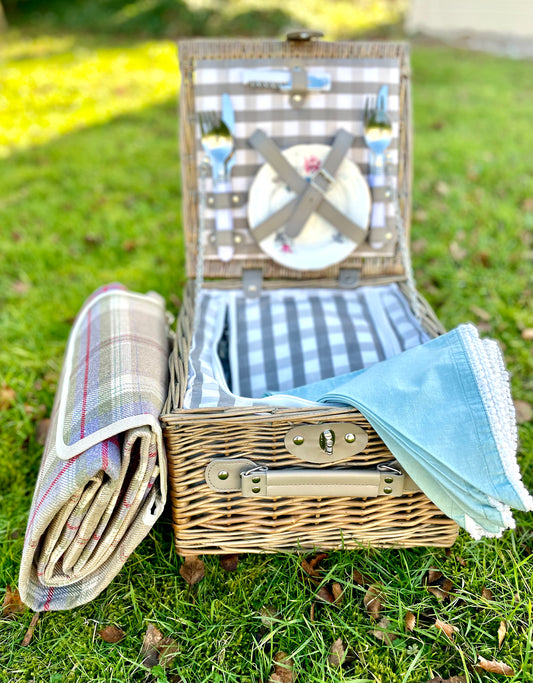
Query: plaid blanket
[{"x": 102, "y": 481}]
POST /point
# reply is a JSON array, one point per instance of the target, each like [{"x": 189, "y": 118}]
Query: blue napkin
[{"x": 444, "y": 410}]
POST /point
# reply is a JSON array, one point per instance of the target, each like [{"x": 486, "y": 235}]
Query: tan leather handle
[{"x": 259, "y": 482}]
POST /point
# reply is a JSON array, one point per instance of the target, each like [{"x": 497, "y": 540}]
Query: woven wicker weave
[{"x": 205, "y": 521}]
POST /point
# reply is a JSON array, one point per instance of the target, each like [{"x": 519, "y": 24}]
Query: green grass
[{"x": 91, "y": 194}]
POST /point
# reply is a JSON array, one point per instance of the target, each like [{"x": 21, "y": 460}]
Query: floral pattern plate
[{"x": 319, "y": 243}]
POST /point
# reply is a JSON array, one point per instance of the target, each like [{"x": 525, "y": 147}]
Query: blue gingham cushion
[{"x": 290, "y": 337}]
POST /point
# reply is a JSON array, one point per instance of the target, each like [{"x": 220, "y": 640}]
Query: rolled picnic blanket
[{"x": 102, "y": 482}]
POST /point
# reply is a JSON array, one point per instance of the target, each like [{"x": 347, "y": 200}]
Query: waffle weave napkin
[{"x": 102, "y": 480}]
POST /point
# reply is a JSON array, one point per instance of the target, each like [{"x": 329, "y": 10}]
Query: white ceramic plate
[{"x": 319, "y": 243}]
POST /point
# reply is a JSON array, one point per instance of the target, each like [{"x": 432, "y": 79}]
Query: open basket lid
[{"x": 290, "y": 117}]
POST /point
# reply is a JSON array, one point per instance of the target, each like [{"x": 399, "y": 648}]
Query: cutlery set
[{"x": 217, "y": 131}]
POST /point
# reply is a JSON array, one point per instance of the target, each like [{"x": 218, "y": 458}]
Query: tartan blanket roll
[{"x": 102, "y": 483}]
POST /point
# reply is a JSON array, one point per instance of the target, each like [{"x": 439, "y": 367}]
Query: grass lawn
[{"x": 91, "y": 194}]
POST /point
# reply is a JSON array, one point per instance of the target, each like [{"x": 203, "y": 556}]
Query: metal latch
[
  {"x": 327, "y": 442},
  {"x": 252, "y": 282}
]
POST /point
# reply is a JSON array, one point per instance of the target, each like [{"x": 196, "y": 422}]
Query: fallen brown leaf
[
  {"x": 31, "y": 628},
  {"x": 192, "y": 570},
  {"x": 361, "y": 579},
  {"x": 337, "y": 653},
  {"x": 283, "y": 669},
  {"x": 315, "y": 561},
  {"x": 111, "y": 634},
  {"x": 527, "y": 334},
  {"x": 337, "y": 591},
  {"x": 524, "y": 411},
  {"x": 149, "y": 651},
  {"x": 167, "y": 649},
  {"x": 437, "y": 584},
  {"x": 12, "y": 603},
  {"x": 527, "y": 204},
  {"x": 442, "y": 188},
  {"x": 448, "y": 629},
  {"x": 129, "y": 245},
  {"x": 487, "y": 594},
  {"x": 268, "y": 614},
  {"x": 410, "y": 621},
  {"x": 229, "y": 563},
  {"x": 383, "y": 632},
  {"x": 312, "y": 611},
  {"x": 325, "y": 594},
  {"x": 502, "y": 632},
  {"x": 453, "y": 679},
  {"x": 21, "y": 287},
  {"x": 494, "y": 667},
  {"x": 373, "y": 600},
  {"x": 309, "y": 570},
  {"x": 7, "y": 397}
]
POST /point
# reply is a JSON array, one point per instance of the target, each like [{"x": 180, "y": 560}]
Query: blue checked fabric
[{"x": 290, "y": 337}]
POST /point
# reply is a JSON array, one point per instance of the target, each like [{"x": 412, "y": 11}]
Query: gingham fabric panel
[
  {"x": 289, "y": 337},
  {"x": 316, "y": 122},
  {"x": 102, "y": 481}
]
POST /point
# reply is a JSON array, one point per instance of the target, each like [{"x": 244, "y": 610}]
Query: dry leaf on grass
[
  {"x": 437, "y": 584},
  {"x": 317, "y": 559},
  {"x": 309, "y": 570},
  {"x": 502, "y": 632},
  {"x": 410, "y": 621},
  {"x": 453, "y": 679},
  {"x": 229, "y": 563},
  {"x": 12, "y": 603},
  {"x": 41, "y": 430},
  {"x": 361, "y": 579},
  {"x": 487, "y": 594},
  {"x": 31, "y": 628},
  {"x": 337, "y": 653},
  {"x": 325, "y": 594},
  {"x": 151, "y": 640},
  {"x": 156, "y": 649},
  {"x": 192, "y": 570},
  {"x": 283, "y": 669},
  {"x": 383, "y": 632},
  {"x": 527, "y": 334},
  {"x": 446, "y": 628},
  {"x": 337, "y": 591},
  {"x": 111, "y": 634},
  {"x": 524, "y": 411},
  {"x": 494, "y": 667},
  {"x": 373, "y": 600}
]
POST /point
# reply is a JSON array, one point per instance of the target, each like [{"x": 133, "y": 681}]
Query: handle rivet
[
  {"x": 237, "y": 239},
  {"x": 235, "y": 199},
  {"x": 349, "y": 438},
  {"x": 388, "y": 235},
  {"x": 298, "y": 440},
  {"x": 389, "y": 480},
  {"x": 256, "y": 489},
  {"x": 211, "y": 201},
  {"x": 256, "y": 480},
  {"x": 387, "y": 489},
  {"x": 223, "y": 475},
  {"x": 297, "y": 97}
]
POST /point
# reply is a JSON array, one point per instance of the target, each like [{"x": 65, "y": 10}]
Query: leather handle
[{"x": 262, "y": 482}]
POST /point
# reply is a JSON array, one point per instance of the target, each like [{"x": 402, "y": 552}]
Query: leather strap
[
  {"x": 272, "y": 155},
  {"x": 254, "y": 481},
  {"x": 315, "y": 190}
]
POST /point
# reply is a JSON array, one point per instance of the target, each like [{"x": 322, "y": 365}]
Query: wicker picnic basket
[{"x": 216, "y": 452}]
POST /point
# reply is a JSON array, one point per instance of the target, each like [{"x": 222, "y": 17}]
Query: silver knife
[
  {"x": 280, "y": 79},
  {"x": 224, "y": 217}
]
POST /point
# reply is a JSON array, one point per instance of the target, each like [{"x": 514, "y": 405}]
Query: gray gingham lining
[
  {"x": 316, "y": 122},
  {"x": 290, "y": 337}
]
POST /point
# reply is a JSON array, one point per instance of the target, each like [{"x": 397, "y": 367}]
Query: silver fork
[
  {"x": 219, "y": 145},
  {"x": 377, "y": 132}
]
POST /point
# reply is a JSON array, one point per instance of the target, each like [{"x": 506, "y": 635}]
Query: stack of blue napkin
[{"x": 444, "y": 410}]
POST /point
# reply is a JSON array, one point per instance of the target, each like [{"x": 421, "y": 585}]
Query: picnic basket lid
[{"x": 210, "y": 68}]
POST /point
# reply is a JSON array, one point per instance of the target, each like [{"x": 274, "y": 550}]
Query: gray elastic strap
[
  {"x": 314, "y": 193},
  {"x": 272, "y": 155}
]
